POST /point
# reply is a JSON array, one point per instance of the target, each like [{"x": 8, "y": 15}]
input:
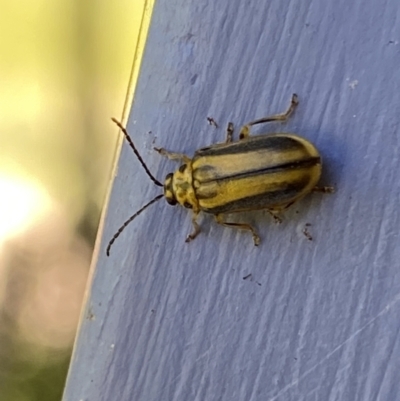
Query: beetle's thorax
[{"x": 178, "y": 187}]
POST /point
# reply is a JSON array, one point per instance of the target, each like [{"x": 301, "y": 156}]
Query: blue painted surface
[{"x": 317, "y": 320}]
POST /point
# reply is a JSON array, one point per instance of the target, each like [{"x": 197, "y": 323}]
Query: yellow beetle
[{"x": 269, "y": 171}]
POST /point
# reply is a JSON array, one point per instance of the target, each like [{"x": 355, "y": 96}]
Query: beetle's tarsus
[
  {"x": 229, "y": 132},
  {"x": 196, "y": 230},
  {"x": 190, "y": 238},
  {"x": 211, "y": 121},
  {"x": 256, "y": 239}
]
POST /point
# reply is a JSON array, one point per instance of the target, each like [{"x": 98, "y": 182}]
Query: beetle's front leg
[
  {"x": 242, "y": 226},
  {"x": 196, "y": 227},
  {"x": 172, "y": 155},
  {"x": 245, "y": 130}
]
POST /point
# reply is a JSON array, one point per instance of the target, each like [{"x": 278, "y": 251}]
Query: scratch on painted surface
[{"x": 340, "y": 346}]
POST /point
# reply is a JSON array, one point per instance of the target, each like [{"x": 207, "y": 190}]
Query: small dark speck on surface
[{"x": 193, "y": 79}]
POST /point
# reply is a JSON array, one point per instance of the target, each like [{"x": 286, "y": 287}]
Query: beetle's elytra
[{"x": 269, "y": 171}]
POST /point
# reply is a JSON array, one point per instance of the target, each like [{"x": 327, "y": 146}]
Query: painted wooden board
[{"x": 219, "y": 319}]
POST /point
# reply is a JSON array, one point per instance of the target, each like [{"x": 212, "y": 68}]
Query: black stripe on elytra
[
  {"x": 299, "y": 164},
  {"x": 274, "y": 143},
  {"x": 265, "y": 200}
]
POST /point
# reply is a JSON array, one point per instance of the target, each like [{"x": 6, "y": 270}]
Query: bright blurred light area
[
  {"x": 43, "y": 263},
  {"x": 23, "y": 203},
  {"x": 64, "y": 71},
  {"x": 43, "y": 268}
]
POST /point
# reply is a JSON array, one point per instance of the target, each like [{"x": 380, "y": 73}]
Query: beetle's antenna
[
  {"x": 117, "y": 234},
  {"x": 128, "y": 138}
]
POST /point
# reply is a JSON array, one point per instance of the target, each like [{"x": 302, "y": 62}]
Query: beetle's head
[{"x": 178, "y": 188}]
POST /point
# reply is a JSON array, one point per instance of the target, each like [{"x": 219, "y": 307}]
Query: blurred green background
[{"x": 65, "y": 69}]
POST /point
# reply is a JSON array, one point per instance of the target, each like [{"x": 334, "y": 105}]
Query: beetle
[{"x": 268, "y": 171}]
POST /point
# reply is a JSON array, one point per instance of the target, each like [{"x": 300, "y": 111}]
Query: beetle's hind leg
[
  {"x": 245, "y": 130},
  {"x": 275, "y": 215},
  {"x": 172, "y": 155},
  {"x": 277, "y": 212},
  {"x": 241, "y": 226}
]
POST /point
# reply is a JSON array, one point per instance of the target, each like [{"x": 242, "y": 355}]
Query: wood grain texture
[{"x": 316, "y": 320}]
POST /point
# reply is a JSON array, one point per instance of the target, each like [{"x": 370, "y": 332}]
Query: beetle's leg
[
  {"x": 245, "y": 130},
  {"x": 229, "y": 132},
  {"x": 325, "y": 190},
  {"x": 276, "y": 211},
  {"x": 196, "y": 230},
  {"x": 242, "y": 226},
  {"x": 275, "y": 214},
  {"x": 281, "y": 116},
  {"x": 172, "y": 155}
]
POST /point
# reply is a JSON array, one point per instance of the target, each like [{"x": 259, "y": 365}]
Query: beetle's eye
[
  {"x": 171, "y": 201},
  {"x": 168, "y": 190},
  {"x": 188, "y": 205}
]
